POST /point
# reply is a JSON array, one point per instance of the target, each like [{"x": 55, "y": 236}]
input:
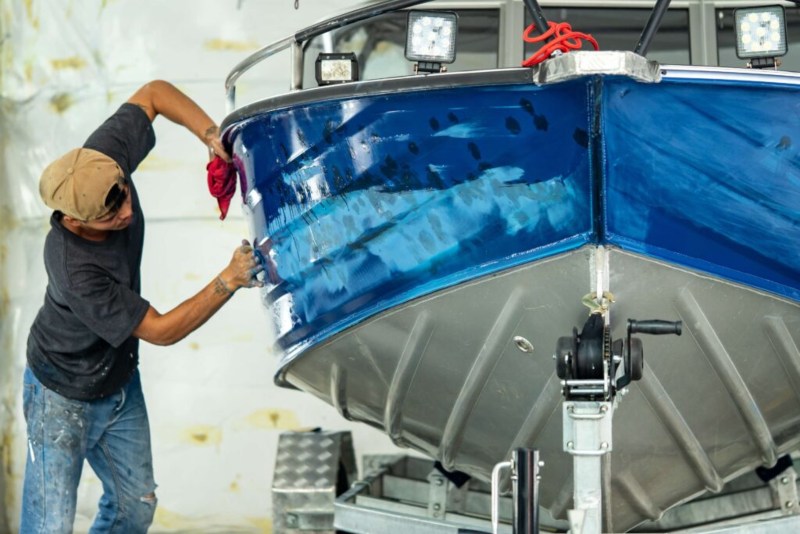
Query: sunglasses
[{"x": 115, "y": 199}]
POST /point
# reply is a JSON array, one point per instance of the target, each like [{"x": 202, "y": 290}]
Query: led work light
[
  {"x": 336, "y": 68},
  {"x": 431, "y": 39},
  {"x": 760, "y": 34}
]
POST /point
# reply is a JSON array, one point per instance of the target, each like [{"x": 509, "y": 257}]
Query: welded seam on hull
[
  {"x": 696, "y": 321},
  {"x": 404, "y": 374},
  {"x": 601, "y": 274},
  {"x": 784, "y": 346},
  {"x": 676, "y": 425},
  {"x": 485, "y": 363}
]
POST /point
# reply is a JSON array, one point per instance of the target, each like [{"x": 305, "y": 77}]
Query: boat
[{"x": 434, "y": 240}]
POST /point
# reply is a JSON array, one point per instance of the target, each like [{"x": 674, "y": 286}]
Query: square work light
[
  {"x": 760, "y": 32},
  {"x": 336, "y": 68},
  {"x": 431, "y": 37}
]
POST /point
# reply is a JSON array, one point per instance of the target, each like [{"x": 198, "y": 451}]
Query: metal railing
[{"x": 295, "y": 41}]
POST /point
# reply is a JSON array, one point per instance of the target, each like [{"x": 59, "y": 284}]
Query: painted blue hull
[
  {"x": 706, "y": 174},
  {"x": 373, "y": 200}
]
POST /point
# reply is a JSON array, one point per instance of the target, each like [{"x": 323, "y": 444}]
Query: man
[{"x": 82, "y": 396}]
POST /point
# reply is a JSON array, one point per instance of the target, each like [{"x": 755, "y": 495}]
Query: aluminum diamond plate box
[{"x": 311, "y": 470}]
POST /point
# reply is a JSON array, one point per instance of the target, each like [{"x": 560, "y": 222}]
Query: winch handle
[{"x": 655, "y": 327}]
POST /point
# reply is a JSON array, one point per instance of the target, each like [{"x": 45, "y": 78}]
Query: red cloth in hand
[{"x": 221, "y": 183}]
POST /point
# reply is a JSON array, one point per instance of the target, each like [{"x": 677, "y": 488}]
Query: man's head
[{"x": 83, "y": 184}]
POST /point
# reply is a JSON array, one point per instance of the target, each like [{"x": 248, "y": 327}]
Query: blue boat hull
[
  {"x": 372, "y": 201},
  {"x": 413, "y": 228}
]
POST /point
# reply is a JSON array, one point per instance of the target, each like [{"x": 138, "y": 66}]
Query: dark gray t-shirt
[{"x": 80, "y": 344}]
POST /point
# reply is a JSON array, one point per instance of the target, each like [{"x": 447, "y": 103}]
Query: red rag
[{"x": 221, "y": 183}]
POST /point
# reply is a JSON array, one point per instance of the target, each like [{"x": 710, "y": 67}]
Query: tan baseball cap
[{"x": 77, "y": 184}]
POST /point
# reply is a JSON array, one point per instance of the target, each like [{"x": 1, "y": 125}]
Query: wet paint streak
[{"x": 369, "y": 202}]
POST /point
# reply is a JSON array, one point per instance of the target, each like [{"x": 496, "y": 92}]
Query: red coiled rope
[{"x": 565, "y": 40}]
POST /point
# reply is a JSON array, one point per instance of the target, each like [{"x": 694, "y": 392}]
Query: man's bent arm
[
  {"x": 162, "y": 98},
  {"x": 189, "y": 315}
]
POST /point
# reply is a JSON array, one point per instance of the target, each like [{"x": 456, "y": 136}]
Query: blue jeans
[{"x": 112, "y": 433}]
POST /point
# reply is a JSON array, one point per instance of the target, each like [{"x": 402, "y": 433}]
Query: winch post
[{"x": 587, "y": 363}]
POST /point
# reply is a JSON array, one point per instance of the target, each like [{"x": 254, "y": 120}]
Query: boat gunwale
[
  {"x": 731, "y": 74},
  {"x": 479, "y": 78},
  {"x": 384, "y": 86}
]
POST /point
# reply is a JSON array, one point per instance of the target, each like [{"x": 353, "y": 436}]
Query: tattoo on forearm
[
  {"x": 211, "y": 131},
  {"x": 220, "y": 288}
]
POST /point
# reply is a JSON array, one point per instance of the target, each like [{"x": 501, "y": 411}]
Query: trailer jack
[{"x": 593, "y": 369}]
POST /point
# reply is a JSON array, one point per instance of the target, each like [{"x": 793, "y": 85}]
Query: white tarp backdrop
[{"x": 65, "y": 65}]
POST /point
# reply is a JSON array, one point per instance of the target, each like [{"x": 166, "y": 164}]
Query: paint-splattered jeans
[{"x": 112, "y": 433}]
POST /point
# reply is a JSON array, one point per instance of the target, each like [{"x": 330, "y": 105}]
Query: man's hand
[
  {"x": 243, "y": 269},
  {"x": 214, "y": 144},
  {"x": 185, "y": 318}
]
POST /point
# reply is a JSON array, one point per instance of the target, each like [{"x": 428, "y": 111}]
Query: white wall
[{"x": 65, "y": 65}]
